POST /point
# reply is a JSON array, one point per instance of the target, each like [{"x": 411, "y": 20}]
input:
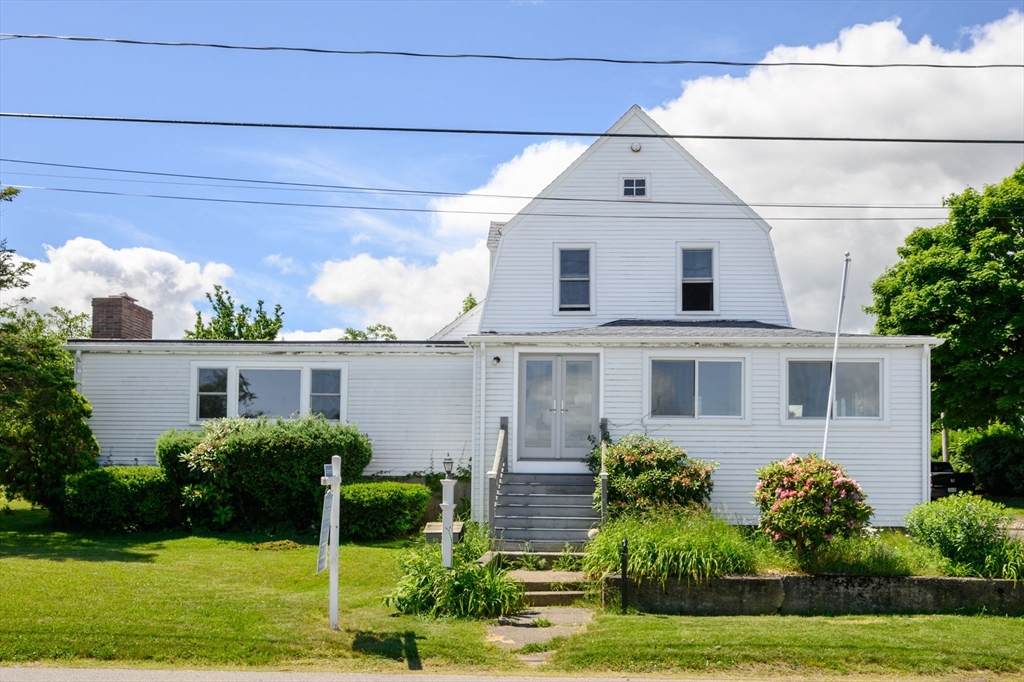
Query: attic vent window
[{"x": 634, "y": 187}]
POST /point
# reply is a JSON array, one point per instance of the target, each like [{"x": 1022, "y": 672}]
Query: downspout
[
  {"x": 926, "y": 422},
  {"x": 78, "y": 368},
  {"x": 483, "y": 420},
  {"x": 478, "y": 471}
]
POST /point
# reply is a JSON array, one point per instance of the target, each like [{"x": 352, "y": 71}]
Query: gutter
[{"x": 710, "y": 341}]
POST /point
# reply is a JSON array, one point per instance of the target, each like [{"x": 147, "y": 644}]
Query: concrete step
[
  {"x": 555, "y": 536},
  {"x": 539, "y": 522},
  {"x": 554, "y": 598},
  {"x": 538, "y": 546},
  {"x": 549, "y": 581}
]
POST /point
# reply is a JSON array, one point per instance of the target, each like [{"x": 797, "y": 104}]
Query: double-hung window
[
  {"x": 325, "y": 393},
  {"x": 697, "y": 292},
  {"x": 696, "y": 388},
  {"x": 211, "y": 393},
  {"x": 858, "y": 389},
  {"x": 574, "y": 279}
]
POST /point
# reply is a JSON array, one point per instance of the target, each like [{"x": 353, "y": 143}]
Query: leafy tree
[
  {"x": 8, "y": 193},
  {"x": 13, "y": 276},
  {"x": 43, "y": 433},
  {"x": 469, "y": 303},
  {"x": 375, "y": 332},
  {"x": 230, "y": 325},
  {"x": 963, "y": 281}
]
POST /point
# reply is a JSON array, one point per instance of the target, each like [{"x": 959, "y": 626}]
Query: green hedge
[
  {"x": 170, "y": 446},
  {"x": 255, "y": 472},
  {"x": 996, "y": 456},
  {"x": 120, "y": 498},
  {"x": 377, "y": 511},
  {"x": 968, "y": 530}
]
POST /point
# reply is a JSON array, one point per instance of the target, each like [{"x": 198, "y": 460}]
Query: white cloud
[
  {"x": 73, "y": 274},
  {"x": 524, "y": 176},
  {"x": 284, "y": 264},
  {"x": 414, "y": 299},
  {"x": 936, "y": 103},
  {"x": 417, "y": 299},
  {"x": 332, "y": 334}
]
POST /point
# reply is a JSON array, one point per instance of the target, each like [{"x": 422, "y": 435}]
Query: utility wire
[
  {"x": 501, "y": 57},
  {"x": 317, "y": 187},
  {"x": 438, "y": 210},
  {"x": 485, "y": 131}
]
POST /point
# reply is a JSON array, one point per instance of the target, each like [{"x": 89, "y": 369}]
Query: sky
[{"x": 332, "y": 268}]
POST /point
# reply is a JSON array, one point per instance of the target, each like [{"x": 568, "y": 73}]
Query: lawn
[{"x": 215, "y": 601}]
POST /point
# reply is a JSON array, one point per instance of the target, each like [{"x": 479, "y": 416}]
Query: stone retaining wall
[{"x": 807, "y": 595}]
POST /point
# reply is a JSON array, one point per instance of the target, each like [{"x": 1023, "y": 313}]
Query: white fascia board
[
  {"x": 271, "y": 349},
  {"x": 710, "y": 341}
]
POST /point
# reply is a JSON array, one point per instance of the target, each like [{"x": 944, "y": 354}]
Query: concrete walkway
[
  {"x": 554, "y": 621},
  {"x": 130, "y": 675}
]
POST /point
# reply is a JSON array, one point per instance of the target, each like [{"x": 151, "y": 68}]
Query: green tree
[
  {"x": 469, "y": 303},
  {"x": 375, "y": 332},
  {"x": 963, "y": 281},
  {"x": 12, "y": 275},
  {"x": 230, "y": 325}
]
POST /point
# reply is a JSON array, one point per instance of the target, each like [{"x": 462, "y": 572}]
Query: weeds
[{"x": 568, "y": 560}]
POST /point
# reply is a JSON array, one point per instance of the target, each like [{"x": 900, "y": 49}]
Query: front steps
[
  {"x": 545, "y": 510},
  {"x": 551, "y": 588}
]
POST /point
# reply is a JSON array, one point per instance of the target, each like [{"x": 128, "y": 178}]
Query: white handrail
[{"x": 496, "y": 466}]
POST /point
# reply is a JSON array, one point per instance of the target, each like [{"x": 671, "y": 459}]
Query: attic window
[
  {"x": 698, "y": 280},
  {"x": 574, "y": 280},
  {"x": 634, "y": 188}
]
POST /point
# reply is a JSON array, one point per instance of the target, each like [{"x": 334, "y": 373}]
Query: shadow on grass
[{"x": 398, "y": 646}]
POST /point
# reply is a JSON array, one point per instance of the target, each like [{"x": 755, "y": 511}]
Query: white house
[{"x": 637, "y": 289}]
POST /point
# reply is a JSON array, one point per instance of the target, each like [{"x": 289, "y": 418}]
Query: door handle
[
  {"x": 563, "y": 407},
  {"x": 554, "y": 406}
]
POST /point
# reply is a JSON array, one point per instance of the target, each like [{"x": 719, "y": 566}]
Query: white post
[
  {"x": 604, "y": 483},
  {"x": 835, "y": 354},
  {"x": 333, "y": 479},
  {"x": 447, "y": 520}
]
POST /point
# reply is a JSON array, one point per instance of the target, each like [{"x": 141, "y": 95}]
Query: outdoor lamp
[{"x": 448, "y": 467}]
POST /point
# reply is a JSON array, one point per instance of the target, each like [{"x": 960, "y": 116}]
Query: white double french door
[{"x": 558, "y": 406}]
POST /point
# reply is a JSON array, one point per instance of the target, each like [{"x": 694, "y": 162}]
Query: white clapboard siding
[
  {"x": 886, "y": 457},
  {"x": 416, "y": 407},
  {"x": 636, "y": 256}
]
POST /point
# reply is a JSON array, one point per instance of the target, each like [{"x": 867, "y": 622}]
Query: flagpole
[{"x": 835, "y": 354}]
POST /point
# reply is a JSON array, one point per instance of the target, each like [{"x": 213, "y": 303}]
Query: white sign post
[
  {"x": 329, "y": 531},
  {"x": 447, "y": 520}
]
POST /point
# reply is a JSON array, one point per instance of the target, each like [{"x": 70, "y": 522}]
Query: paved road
[{"x": 128, "y": 675}]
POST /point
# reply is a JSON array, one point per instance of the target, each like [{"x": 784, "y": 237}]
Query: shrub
[
  {"x": 645, "y": 473},
  {"x": 260, "y": 472},
  {"x": 377, "y": 511},
  {"x": 467, "y": 590},
  {"x": 808, "y": 501},
  {"x": 996, "y": 456},
  {"x": 119, "y": 498},
  {"x": 683, "y": 546},
  {"x": 888, "y": 553},
  {"x": 968, "y": 530},
  {"x": 170, "y": 446}
]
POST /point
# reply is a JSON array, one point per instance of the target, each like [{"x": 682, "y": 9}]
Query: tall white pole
[
  {"x": 835, "y": 354},
  {"x": 335, "y": 519},
  {"x": 447, "y": 520}
]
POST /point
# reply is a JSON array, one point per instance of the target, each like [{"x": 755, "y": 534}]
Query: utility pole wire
[
  {"x": 485, "y": 131},
  {"x": 498, "y": 57}
]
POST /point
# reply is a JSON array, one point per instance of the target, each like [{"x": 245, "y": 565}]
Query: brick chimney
[{"x": 117, "y": 317}]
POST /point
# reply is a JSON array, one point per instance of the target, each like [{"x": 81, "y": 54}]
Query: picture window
[
  {"x": 858, "y": 389},
  {"x": 701, "y": 388}
]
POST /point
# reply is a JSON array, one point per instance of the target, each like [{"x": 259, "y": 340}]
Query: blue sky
[{"x": 279, "y": 254}]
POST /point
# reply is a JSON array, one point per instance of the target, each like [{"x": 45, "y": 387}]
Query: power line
[
  {"x": 501, "y": 57},
  {"x": 304, "y": 186},
  {"x": 485, "y": 131},
  {"x": 438, "y": 210}
]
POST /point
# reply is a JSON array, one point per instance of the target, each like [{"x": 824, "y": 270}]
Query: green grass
[
  {"x": 175, "y": 599},
  {"x": 782, "y": 645}
]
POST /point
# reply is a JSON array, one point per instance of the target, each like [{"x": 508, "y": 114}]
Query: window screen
[
  {"x": 574, "y": 279},
  {"x": 720, "y": 388},
  {"x": 858, "y": 389},
  {"x": 672, "y": 387}
]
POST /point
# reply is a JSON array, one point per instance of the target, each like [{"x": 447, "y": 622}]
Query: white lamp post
[{"x": 447, "y": 513}]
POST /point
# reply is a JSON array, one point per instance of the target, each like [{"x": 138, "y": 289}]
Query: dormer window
[
  {"x": 698, "y": 264},
  {"x": 634, "y": 188}
]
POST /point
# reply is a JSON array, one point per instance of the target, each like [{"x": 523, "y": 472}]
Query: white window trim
[
  {"x": 715, "y": 277},
  {"x": 233, "y": 365},
  {"x": 556, "y": 267},
  {"x": 845, "y": 355},
  {"x": 698, "y": 355},
  {"x": 635, "y": 176}
]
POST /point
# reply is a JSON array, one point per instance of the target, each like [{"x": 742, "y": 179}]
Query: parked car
[{"x": 946, "y": 481}]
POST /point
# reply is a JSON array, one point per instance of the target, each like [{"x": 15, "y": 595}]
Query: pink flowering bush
[{"x": 808, "y": 501}]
